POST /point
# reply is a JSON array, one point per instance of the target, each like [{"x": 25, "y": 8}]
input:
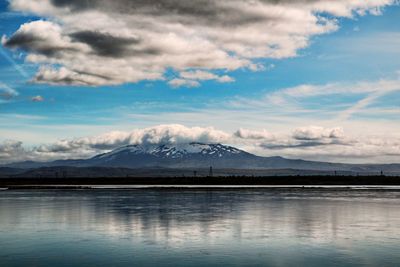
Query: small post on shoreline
[{"x": 210, "y": 172}]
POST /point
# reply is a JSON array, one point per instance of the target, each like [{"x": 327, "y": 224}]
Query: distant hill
[
  {"x": 7, "y": 171},
  {"x": 110, "y": 172},
  {"x": 193, "y": 156}
]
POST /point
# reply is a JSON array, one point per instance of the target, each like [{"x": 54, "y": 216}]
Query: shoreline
[
  {"x": 208, "y": 183},
  {"x": 201, "y": 187}
]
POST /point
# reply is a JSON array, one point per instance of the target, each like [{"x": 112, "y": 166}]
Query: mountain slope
[{"x": 183, "y": 156}]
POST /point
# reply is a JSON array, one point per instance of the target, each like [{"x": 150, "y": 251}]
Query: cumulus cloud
[
  {"x": 311, "y": 137},
  {"x": 183, "y": 83},
  {"x": 192, "y": 78},
  {"x": 98, "y": 42},
  {"x": 312, "y": 142},
  {"x": 204, "y": 75},
  {"x": 172, "y": 134},
  {"x": 251, "y": 134},
  {"x": 37, "y": 98},
  {"x": 12, "y": 150},
  {"x": 317, "y": 133}
]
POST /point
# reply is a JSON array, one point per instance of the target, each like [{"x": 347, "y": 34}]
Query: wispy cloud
[
  {"x": 177, "y": 82},
  {"x": 370, "y": 92},
  {"x": 6, "y": 92},
  {"x": 16, "y": 66},
  {"x": 16, "y": 116}
]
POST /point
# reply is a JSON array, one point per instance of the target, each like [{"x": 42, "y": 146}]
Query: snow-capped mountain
[
  {"x": 174, "y": 152},
  {"x": 184, "y": 155},
  {"x": 200, "y": 155}
]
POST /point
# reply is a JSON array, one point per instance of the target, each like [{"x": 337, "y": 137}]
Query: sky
[{"x": 310, "y": 79}]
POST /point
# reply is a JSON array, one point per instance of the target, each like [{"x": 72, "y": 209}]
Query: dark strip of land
[{"x": 236, "y": 180}]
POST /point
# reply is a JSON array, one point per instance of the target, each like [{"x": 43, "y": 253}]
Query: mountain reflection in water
[{"x": 197, "y": 228}]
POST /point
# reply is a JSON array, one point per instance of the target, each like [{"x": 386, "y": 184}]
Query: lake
[{"x": 193, "y": 227}]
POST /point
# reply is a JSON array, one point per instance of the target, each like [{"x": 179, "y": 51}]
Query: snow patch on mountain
[{"x": 173, "y": 152}]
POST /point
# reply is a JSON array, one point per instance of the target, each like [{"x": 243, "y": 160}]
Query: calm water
[{"x": 273, "y": 227}]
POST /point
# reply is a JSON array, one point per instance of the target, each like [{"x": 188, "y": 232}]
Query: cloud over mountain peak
[{"x": 310, "y": 142}]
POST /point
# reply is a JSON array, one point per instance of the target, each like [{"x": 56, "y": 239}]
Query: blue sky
[{"x": 364, "y": 49}]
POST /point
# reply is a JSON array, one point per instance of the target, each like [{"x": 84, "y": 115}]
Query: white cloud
[
  {"x": 200, "y": 75},
  {"x": 100, "y": 42},
  {"x": 37, "y": 98},
  {"x": 11, "y": 150},
  {"x": 183, "y": 83},
  {"x": 225, "y": 79},
  {"x": 193, "y": 78}
]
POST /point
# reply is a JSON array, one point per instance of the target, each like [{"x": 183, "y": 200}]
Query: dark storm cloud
[
  {"x": 207, "y": 8},
  {"x": 191, "y": 12},
  {"x": 92, "y": 74},
  {"x": 41, "y": 78},
  {"x": 105, "y": 44},
  {"x": 34, "y": 43},
  {"x": 29, "y": 42}
]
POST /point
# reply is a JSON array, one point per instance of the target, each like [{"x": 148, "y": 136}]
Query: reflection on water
[{"x": 290, "y": 227}]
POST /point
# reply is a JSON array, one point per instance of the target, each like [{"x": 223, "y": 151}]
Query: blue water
[{"x": 269, "y": 227}]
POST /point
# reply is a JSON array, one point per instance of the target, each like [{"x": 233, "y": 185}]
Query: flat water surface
[{"x": 189, "y": 227}]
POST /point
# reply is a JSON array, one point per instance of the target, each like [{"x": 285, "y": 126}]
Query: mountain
[
  {"x": 201, "y": 156},
  {"x": 113, "y": 172},
  {"x": 194, "y": 155}
]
